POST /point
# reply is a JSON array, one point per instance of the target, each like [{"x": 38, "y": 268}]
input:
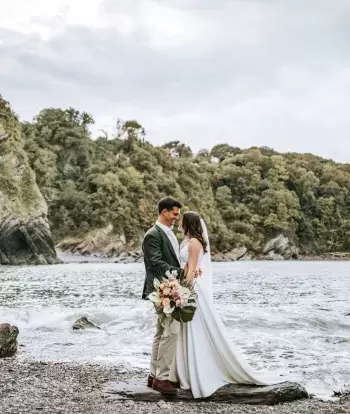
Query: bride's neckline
[{"x": 185, "y": 242}]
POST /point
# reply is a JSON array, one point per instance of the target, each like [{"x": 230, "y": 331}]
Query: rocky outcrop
[
  {"x": 25, "y": 236},
  {"x": 233, "y": 394},
  {"x": 84, "y": 323},
  {"x": 246, "y": 258},
  {"x": 237, "y": 254},
  {"x": 26, "y": 240},
  {"x": 280, "y": 248},
  {"x": 135, "y": 256},
  {"x": 8, "y": 340},
  {"x": 274, "y": 256},
  {"x": 103, "y": 243}
]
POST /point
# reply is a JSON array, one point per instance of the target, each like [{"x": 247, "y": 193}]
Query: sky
[{"x": 270, "y": 73}]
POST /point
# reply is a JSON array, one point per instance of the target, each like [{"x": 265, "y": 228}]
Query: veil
[{"x": 206, "y": 264}]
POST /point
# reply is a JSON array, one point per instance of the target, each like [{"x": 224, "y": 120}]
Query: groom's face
[{"x": 171, "y": 216}]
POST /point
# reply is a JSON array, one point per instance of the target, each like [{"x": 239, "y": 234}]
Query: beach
[{"x": 36, "y": 387}]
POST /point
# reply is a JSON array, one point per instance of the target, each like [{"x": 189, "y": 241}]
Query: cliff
[{"x": 25, "y": 236}]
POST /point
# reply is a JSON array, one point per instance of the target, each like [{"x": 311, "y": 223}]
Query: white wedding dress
[{"x": 205, "y": 358}]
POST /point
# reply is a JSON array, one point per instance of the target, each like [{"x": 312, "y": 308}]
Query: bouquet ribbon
[{"x": 169, "y": 324}]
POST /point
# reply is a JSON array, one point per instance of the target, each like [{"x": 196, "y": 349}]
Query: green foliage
[
  {"x": 19, "y": 193},
  {"x": 246, "y": 196}
]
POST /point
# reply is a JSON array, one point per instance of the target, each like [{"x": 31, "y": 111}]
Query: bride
[{"x": 205, "y": 359}]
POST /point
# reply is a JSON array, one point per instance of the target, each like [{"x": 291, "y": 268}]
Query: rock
[
  {"x": 218, "y": 257},
  {"x": 234, "y": 394},
  {"x": 26, "y": 240},
  {"x": 25, "y": 236},
  {"x": 104, "y": 242},
  {"x": 280, "y": 246},
  {"x": 84, "y": 323},
  {"x": 274, "y": 256},
  {"x": 135, "y": 256},
  {"x": 236, "y": 254},
  {"x": 8, "y": 340},
  {"x": 247, "y": 257}
]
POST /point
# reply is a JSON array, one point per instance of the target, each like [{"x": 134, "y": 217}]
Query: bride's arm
[{"x": 194, "y": 250}]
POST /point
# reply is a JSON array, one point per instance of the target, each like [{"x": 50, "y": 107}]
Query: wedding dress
[{"x": 205, "y": 358}]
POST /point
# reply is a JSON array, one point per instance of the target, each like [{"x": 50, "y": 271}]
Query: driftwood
[{"x": 234, "y": 394}]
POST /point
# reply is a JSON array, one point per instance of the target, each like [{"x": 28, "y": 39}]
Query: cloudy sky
[{"x": 248, "y": 72}]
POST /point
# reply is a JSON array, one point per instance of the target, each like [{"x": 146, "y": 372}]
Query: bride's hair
[{"x": 191, "y": 224}]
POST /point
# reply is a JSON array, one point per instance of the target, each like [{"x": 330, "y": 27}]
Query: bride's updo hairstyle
[{"x": 192, "y": 227}]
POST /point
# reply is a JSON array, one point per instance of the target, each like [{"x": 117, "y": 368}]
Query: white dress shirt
[{"x": 171, "y": 236}]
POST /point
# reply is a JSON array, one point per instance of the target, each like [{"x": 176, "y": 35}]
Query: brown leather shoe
[
  {"x": 150, "y": 380},
  {"x": 164, "y": 387}
]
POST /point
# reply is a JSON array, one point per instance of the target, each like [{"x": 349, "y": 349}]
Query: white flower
[
  {"x": 168, "y": 310},
  {"x": 155, "y": 298},
  {"x": 167, "y": 273},
  {"x": 174, "y": 273},
  {"x": 156, "y": 283},
  {"x": 185, "y": 293}
]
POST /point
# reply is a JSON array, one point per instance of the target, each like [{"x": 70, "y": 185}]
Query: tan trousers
[{"x": 163, "y": 350}]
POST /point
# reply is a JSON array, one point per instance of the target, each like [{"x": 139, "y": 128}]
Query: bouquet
[{"x": 173, "y": 298}]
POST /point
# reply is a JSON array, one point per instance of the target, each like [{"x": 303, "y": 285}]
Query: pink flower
[
  {"x": 178, "y": 303},
  {"x": 166, "y": 302},
  {"x": 176, "y": 295},
  {"x": 166, "y": 291}
]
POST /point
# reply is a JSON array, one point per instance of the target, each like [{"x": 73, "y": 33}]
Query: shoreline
[
  {"x": 66, "y": 387},
  {"x": 68, "y": 257}
]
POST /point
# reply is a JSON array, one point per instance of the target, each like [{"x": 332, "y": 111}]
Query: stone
[
  {"x": 137, "y": 390},
  {"x": 247, "y": 257},
  {"x": 26, "y": 241},
  {"x": 84, "y": 323},
  {"x": 274, "y": 256},
  {"x": 8, "y": 340},
  {"x": 236, "y": 254},
  {"x": 280, "y": 246},
  {"x": 218, "y": 258}
]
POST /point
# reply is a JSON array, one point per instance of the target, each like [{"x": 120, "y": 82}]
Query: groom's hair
[{"x": 168, "y": 203}]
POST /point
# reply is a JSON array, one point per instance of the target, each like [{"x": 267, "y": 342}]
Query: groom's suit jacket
[{"x": 159, "y": 256}]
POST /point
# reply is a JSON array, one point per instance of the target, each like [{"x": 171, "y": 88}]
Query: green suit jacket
[{"x": 159, "y": 256}]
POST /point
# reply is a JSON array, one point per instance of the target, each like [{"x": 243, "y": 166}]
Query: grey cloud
[{"x": 230, "y": 82}]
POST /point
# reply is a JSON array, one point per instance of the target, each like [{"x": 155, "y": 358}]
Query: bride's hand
[{"x": 198, "y": 273}]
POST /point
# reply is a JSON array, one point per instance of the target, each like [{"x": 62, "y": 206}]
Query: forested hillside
[{"x": 246, "y": 195}]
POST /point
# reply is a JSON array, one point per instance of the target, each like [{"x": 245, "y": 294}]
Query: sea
[{"x": 291, "y": 317}]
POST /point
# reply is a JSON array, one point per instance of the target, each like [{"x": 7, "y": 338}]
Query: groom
[{"x": 161, "y": 253}]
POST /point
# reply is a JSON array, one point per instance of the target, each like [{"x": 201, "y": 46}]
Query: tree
[{"x": 247, "y": 197}]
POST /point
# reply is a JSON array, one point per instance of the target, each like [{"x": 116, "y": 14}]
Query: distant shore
[{"x": 68, "y": 257}]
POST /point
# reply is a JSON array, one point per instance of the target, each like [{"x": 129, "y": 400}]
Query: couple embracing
[{"x": 197, "y": 355}]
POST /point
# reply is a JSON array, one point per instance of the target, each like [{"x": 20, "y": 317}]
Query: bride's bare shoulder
[{"x": 194, "y": 243}]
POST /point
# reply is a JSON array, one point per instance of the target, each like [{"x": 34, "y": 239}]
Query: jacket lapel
[{"x": 168, "y": 242}]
